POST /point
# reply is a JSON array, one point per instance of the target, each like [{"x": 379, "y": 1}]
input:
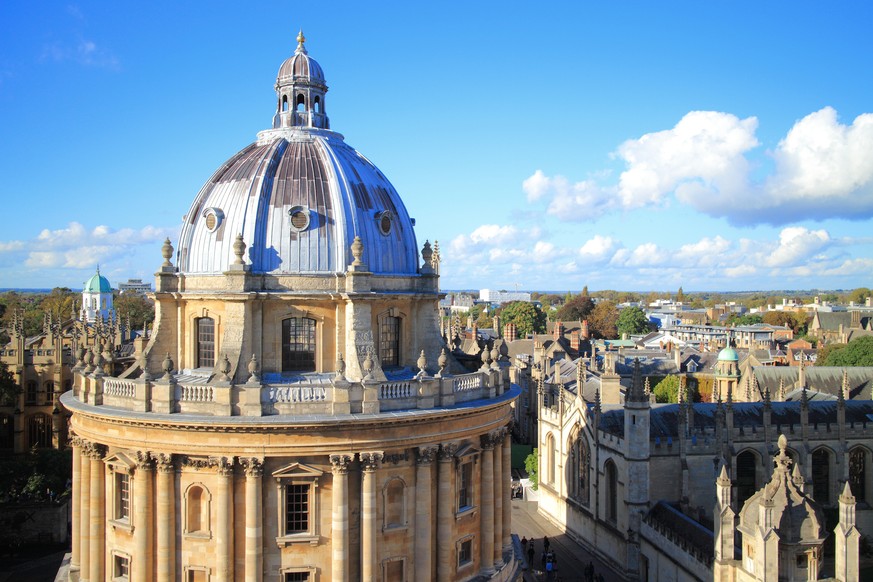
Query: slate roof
[
  {"x": 696, "y": 537},
  {"x": 826, "y": 379},
  {"x": 664, "y": 418}
]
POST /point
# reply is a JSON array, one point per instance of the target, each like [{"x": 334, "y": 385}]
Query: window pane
[
  {"x": 297, "y": 509},
  {"x": 389, "y": 341},
  {"x": 205, "y": 342},
  {"x": 298, "y": 344}
]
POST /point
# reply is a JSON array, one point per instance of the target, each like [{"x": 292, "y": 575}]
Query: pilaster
[
  {"x": 254, "y": 468},
  {"x": 224, "y": 520},
  {"x": 486, "y": 515},
  {"x": 142, "y": 518},
  {"x": 96, "y": 514},
  {"x": 369, "y": 463},
  {"x": 445, "y": 512},
  {"x": 507, "y": 489},
  {"x": 340, "y": 517},
  {"x": 497, "y": 479},
  {"x": 165, "y": 520},
  {"x": 423, "y": 514}
]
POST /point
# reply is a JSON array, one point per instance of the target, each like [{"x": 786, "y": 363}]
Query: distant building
[
  {"x": 134, "y": 286},
  {"x": 96, "y": 298},
  {"x": 503, "y": 296}
]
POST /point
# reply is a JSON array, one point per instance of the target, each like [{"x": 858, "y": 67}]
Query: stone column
[
  {"x": 224, "y": 520},
  {"x": 497, "y": 478},
  {"x": 369, "y": 463},
  {"x": 97, "y": 513},
  {"x": 142, "y": 518},
  {"x": 486, "y": 515},
  {"x": 446, "y": 504},
  {"x": 84, "y": 523},
  {"x": 254, "y": 523},
  {"x": 77, "y": 500},
  {"x": 340, "y": 518},
  {"x": 506, "y": 478},
  {"x": 165, "y": 520},
  {"x": 423, "y": 516}
]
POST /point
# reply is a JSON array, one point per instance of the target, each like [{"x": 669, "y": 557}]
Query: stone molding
[
  {"x": 447, "y": 451},
  {"x": 253, "y": 466},
  {"x": 425, "y": 455},
  {"x": 340, "y": 463},
  {"x": 371, "y": 461},
  {"x": 165, "y": 463}
]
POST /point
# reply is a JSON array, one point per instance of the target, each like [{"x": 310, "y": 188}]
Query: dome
[
  {"x": 298, "y": 196},
  {"x": 728, "y": 355},
  {"x": 97, "y": 284}
]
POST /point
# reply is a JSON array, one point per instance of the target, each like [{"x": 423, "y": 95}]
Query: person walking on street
[{"x": 530, "y": 554}]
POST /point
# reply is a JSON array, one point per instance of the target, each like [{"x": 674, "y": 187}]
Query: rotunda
[
  {"x": 96, "y": 298},
  {"x": 293, "y": 416}
]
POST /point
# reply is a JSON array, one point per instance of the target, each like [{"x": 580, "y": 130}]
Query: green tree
[
  {"x": 859, "y": 295},
  {"x": 667, "y": 390},
  {"x": 858, "y": 352},
  {"x": 527, "y": 317},
  {"x": 798, "y": 322},
  {"x": 577, "y": 309},
  {"x": 745, "y": 319},
  {"x": 585, "y": 291},
  {"x": 532, "y": 465},
  {"x": 602, "y": 320},
  {"x": 136, "y": 308},
  {"x": 680, "y": 295},
  {"x": 8, "y": 388},
  {"x": 59, "y": 303},
  {"x": 632, "y": 320}
]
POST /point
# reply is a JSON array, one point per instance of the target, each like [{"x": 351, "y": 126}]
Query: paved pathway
[{"x": 572, "y": 558}]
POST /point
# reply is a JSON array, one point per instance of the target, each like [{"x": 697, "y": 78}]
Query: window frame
[
  {"x": 205, "y": 512},
  {"x": 466, "y": 459},
  {"x": 201, "y": 345},
  {"x": 300, "y": 475},
  {"x": 119, "y": 558},
  {"x": 459, "y": 548},
  {"x": 403, "y": 522},
  {"x": 121, "y": 467},
  {"x": 288, "y": 361}
]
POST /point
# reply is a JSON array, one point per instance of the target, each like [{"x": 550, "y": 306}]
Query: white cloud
[
  {"x": 646, "y": 255},
  {"x": 823, "y": 169},
  {"x": 796, "y": 244},
  {"x": 598, "y": 248}
]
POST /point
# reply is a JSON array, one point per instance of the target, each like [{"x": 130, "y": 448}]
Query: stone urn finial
[
  {"x": 340, "y": 368},
  {"x": 486, "y": 357},
  {"x": 80, "y": 357},
  {"x": 144, "y": 365},
  {"x": 442, "y": 361},
  {"x": 253, "y": 369},
  {"x": 422, "y": 363},
  {"x": 167, "y": 253},
  {"x": 357, "y": 251},
  {"x": 167, "y": 366},
  {"x": 495, "y": 357},
  {"x": 427, "y": 257},
  {"x": 368, "y": 365},
  {"x": 239, "y": 249},
  {"x": 224, "y": 368}
]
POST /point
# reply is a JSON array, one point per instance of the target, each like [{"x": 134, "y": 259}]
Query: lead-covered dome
[
  {"x": 298, "y": 196},
  {"x": 97, "y": 284}
]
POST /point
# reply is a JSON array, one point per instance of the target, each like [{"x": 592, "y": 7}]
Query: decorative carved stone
[
  {"x": 495, "y": 356},
  {"x": 164, "y": 463},
  {"x": 199, "y": 462},
  {"x": 167, "y": 366},
  {"x": 488, "y": 440},
  {"x": 253, "y": 466},
  {"x": 144, "y": 460},
  {"x": 368, "y": 365},
  {"x": 371, "y": 461},
  {"x": 395, "y": 458},
  {"x": 167, "y": 253},
  {"x": 422, "y": 364},
  {"x": 340, "y": 463},
  {"x": 425, "y": 455},
  {"x": 144, "y": 365},
  {"x": 94, "y": 451},
  {"x": 224, "y": 466},
  {"x": 253, "y": 369},
  {"x": 340, "y": 368},
  {"x": 447, "y": 451},
  {"x": 224, "y": 368},
  {"x": 239, "y": 249},
  {"x": 357, "y": 251},
  {"x": 442, "y": 361}
]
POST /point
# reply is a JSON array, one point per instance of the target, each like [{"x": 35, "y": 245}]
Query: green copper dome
[
  {"x": 728, "y": 355},
  {"x": 98, "y": 284}
]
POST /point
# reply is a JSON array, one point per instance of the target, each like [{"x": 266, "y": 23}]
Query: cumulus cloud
[
  {"x": 598, "y": 248},
  {"x": 796, "y": 244},
  {"x": 822, "y": 169}
]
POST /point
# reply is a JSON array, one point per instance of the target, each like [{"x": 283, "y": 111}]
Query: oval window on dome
[
  {"x": 299, "y": 217},
  {"x": 212, "y": 218},
  {"x": 385, "y": 220}
]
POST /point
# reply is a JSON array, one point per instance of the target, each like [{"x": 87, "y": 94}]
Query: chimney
[
  {"x": 497, "y": 326},
  {"x": 509, "y": 332},
  {"x": 474, "y": 331},
  {"x": 574, "y": 341},
  {"x": 558, "y": 331},
  {"x": 856, "y": 320},
  {"x": 586, "y": 335}
]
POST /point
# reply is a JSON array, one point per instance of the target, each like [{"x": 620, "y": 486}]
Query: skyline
[{"x": 709, "y": 147}]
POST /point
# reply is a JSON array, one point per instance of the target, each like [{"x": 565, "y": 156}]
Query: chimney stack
[{"x": 509, "y": 332}]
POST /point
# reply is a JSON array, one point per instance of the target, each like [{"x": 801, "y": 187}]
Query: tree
[
  {"x": 746, "y": 319},
  {"x": 680, "y": 295},
  {"x": 577, "y": 309},
  {"x": 798, "y": 322},
  {"x": 632, "y": 320},
  {"x": 136, "y": 308},
  {"x": 858, "y": 352},
  {"x": 667, "y": 390},
  {"x": 527, "y": 317},
  {"x": 59, "y": 303},
  {"x": 602, "y": 321},
  {"x": 8, "y": 388},
  {"x": 859, "y": 295},
  {"x": 531, "y": 465},
  {"x": 585, "y": 291}
]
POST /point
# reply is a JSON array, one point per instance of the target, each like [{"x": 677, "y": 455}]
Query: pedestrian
[
  {"x": 530, "y": 554},
  {"x": 589, "y": 572},
  {"x": 543, "y": 560},
  {"x": 546, "y": 543},
  {"x": 524, "y": 543}
]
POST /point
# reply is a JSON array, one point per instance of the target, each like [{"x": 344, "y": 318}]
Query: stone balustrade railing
[{"x": 323, "y": 396}]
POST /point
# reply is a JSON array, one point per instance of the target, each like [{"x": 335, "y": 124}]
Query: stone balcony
[{"x": 314, "y": 394}]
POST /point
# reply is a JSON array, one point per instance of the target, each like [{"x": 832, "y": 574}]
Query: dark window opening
[
  {"x": 205, "y": 342},
  {"x": 298, "y": 344},
  {"x": 389, "y": 341},
  {"x": 821, "y": 476},
  {"x": 296, "y": 509}
]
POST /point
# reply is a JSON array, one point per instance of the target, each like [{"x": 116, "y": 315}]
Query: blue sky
[{"x": 624, "y": 145}]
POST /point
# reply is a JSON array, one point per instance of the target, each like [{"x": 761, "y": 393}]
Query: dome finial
[{"x": 300, "y": 40}]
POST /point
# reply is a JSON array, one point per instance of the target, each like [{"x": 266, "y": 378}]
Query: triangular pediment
[
  {"x": 119, "y": 459},
  {"x": 298, "y": 470}
]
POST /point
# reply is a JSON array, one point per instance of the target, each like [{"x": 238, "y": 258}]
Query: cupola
[{"x": 300, "y": 89}]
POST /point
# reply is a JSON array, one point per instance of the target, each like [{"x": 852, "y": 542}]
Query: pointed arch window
[
  {"x": 858, "y": 479},
  {"x": 821, "y": 476},
  {"x": 39, "y": 431},
  {"x": 298, "y": 344},
  {"x": 747, "y": 476},
  {"x": 581, "y": 467},
  {"x": 551, "y": 454},
  {"x": 611, "y": 475}
]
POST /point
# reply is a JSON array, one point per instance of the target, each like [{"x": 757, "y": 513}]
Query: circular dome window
[
  {"x": 385, "y": 220},
  {"x": 299, "y": 217},
  {"x": 212, "y": 218}
]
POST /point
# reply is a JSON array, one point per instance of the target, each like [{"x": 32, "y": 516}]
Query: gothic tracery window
[{"x": 857, "y": 473}]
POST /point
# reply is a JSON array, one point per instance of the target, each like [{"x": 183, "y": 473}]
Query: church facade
[{"x": 293, "y": 416}]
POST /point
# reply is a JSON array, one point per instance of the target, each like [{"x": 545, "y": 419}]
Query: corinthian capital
[
  {"x": 340, "y": 463},
  {"x": 371, "y": 461}
]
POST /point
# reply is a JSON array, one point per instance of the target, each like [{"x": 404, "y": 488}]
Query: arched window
[
  {"x": 298, "y": 344},
  {"x": 551, "y": 453},
  {"x": 611, "y": 475},
  {"x": 317, "y": 104},
  {"x": 7, "y": 432},
  {"x": 389, "y": 341},
  {"x": 49, "y": 392},
  {"x": 821, "y": 476},
  {"x": 30, "y": 392},
  {"x": 301, "y": 103},
  {"x": 395, "y": 503},
  {"x": 205, "y": 342},
  {"x": 858, "y": 473},
  {"x": 197, "y": 510},
  {"x": 284, "y": 103},
  {"x": 581, "y": 468},
  {"x": 39, "y": 431},
  {"x": 747, "y": 471}
]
